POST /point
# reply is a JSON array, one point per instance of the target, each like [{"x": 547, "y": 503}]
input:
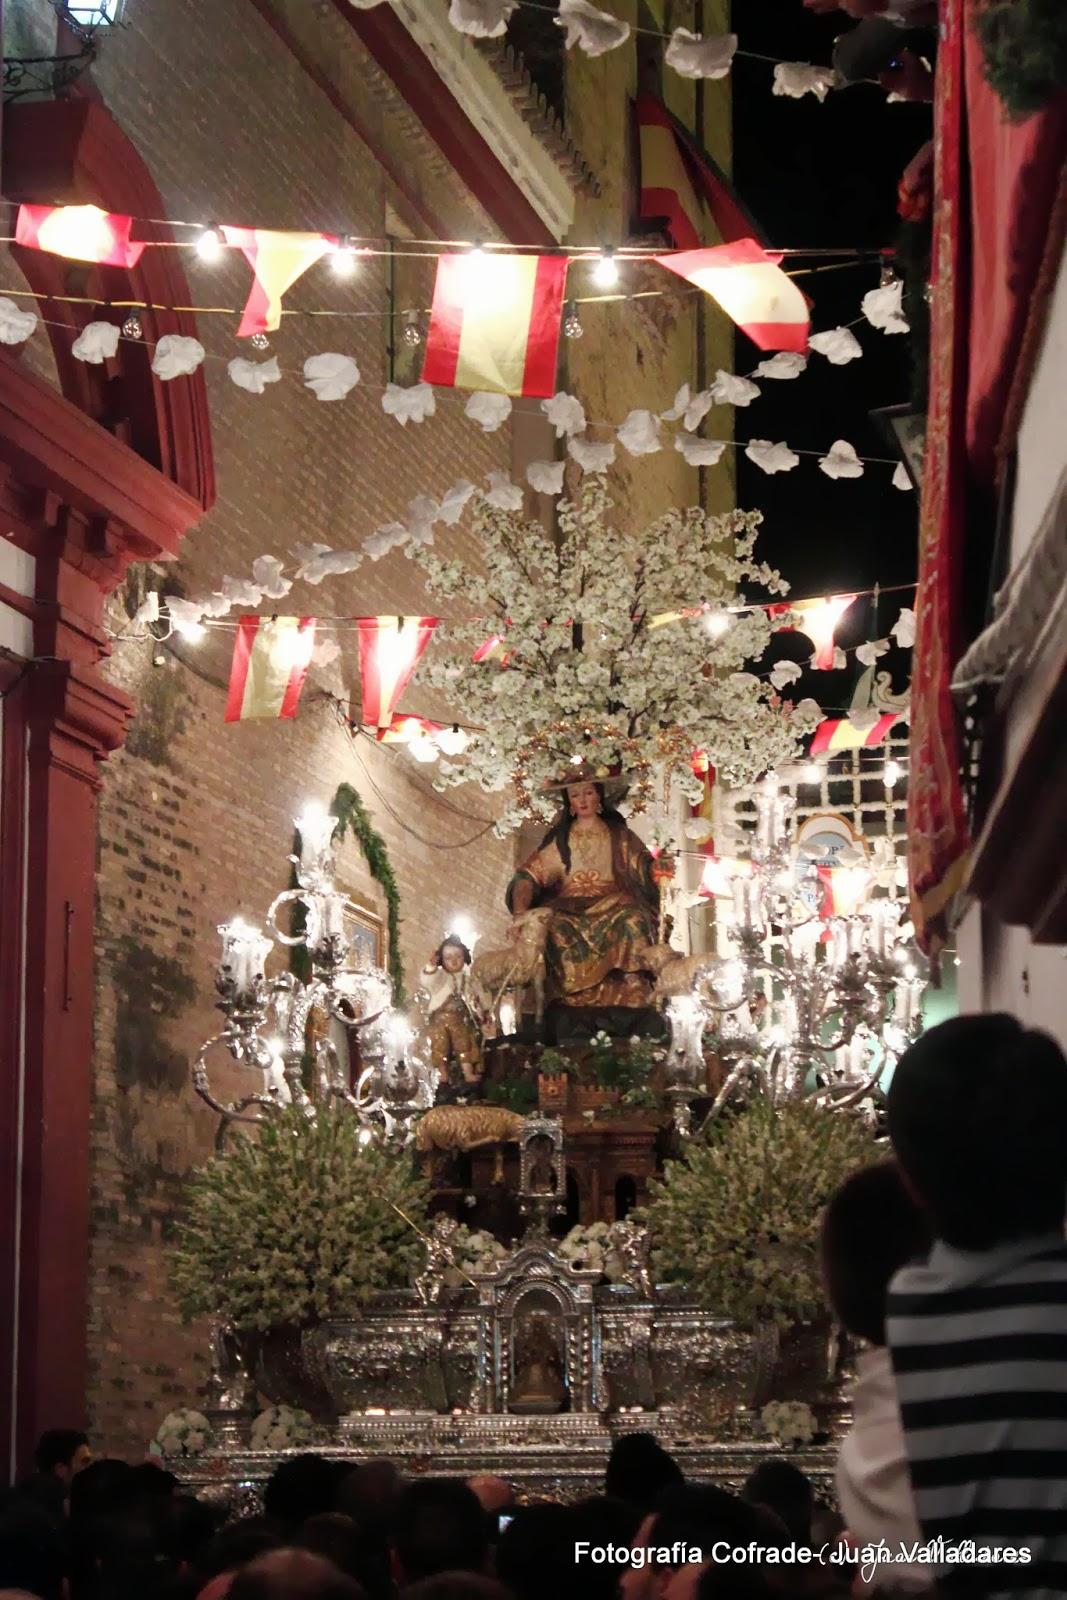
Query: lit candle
[
  {"x": 838, "y": 942},
  {"x": 333, "y": 915},
  {"x": 737, "y": 889},
  {"x": 316, "y": 828}
]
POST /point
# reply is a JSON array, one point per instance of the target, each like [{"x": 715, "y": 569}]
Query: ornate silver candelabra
[{"x": 280, "y": 1026}]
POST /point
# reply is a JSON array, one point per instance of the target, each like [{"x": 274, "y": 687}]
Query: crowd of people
[{"x": 947, "y": 1262}]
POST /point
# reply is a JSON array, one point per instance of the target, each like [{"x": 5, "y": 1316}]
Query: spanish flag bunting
[
  {"x": 750, "y": 286},
  {"x": 81, "y": 233},
  {"x": 714, "y": 882},
  {"x": 844, "y": 889},
  {"x": 817, "y": 619},
  {"x": 270, "y": 662},
  {"x": 402, "y": 730},
  {"x": 495, "y": 323},
  {"x": 277, "y": 260},
  {"x": 837, "y": 733},
  {"x": 389, "y": 651},
  {"x": 492, "y": 650}
]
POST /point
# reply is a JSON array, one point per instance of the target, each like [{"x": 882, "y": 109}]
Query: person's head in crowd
[
  {"x": 438, "y": 1526},
  {"x": 293, "y": 1575},
  {"x": 870, "y": 1229},
  {"x": 101, "y": 1489},
  {"x": 458, "y": 1586},
  {"x": 131, "y": 1557},
  {"x": 62, "y": 1452},
  {"x": 32, "y": 1554},
  {"x": 336, "y": 1537},
  {"x": 786, "y": 1491},
  {"x": 236, "y": 1544},
  {"x": 368, "y": 1493},
  {"x": 977, "y": 1115},
  {"x": 535, "y": 1552},
  {"x": 639, "y": 1470},
  {"x": 494, "y": 1494},
  {"x": 152, "y": 1481},
  {"x": 688, "y": 1521},
  {"x": 602, "y": 1521},
  {"x": 300, "y": 1487}
]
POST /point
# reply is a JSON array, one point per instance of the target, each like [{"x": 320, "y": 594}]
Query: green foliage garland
[
  {"x": 296, "y": 1224},
  {"x": 350, "y": 812},
  {"x": 1024, "y": 43},
  {"x": 737, "y": 1221}
]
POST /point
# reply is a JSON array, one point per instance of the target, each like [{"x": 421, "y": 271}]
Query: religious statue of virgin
[{"x": 596, "y": 876}]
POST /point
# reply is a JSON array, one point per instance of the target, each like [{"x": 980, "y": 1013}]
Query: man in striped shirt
[{"x": 978, "y": 1334}]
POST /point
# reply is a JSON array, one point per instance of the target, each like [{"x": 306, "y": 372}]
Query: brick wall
[{"x": 196, "y": 817}]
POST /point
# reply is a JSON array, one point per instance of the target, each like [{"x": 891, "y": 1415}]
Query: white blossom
[
  {"x": 330, "y": 376},
  {"x": 693, "y": 56},
  {"x": 639, "y": 434},
  {"x": 489, "y": 411},
  {"x": 903, "y": 629},
  {"x": 841, "y": 461},
  {"x": 771, "y": 457},
  {"x": 566, "y": 414},
  {"x": 413, "y": 403},
  {"x": 594, "y": 32},
  {"x": 798, "y": 78},
  {"x": 838, "y": 345}
]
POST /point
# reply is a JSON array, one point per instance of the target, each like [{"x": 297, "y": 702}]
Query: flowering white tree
[{"x": 587, "y": 671}]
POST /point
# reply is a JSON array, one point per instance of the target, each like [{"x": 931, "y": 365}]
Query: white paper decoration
[
  {"x": 901, "y": 477},
  {"x": 254, "y": 375},
  {"x": 839, "y": 346},
  {"x": 903, "y": 629},
  {"x": 15, "y": 325},
  {"x": 730, "y": 390},
  {"x": 308, "y": 552},
  {"x": 334, "y": 564},
  {"x": 489, "y": 411},
  {"x": 863, "y": 718},
  {"x": 218, "y": 604},
  {"x": 330, "y": 376},
  {"x": 388, "y": 537},
  {"x": 798, "y": 78},
  {"x": 183, "y": 613},
  {"x": 481, "y": 19},
  {"x": 594, "y": 32},
  {"x": 326, "y": 652},
  {"x": 453, "y": 501},
  {"x": 693, "y": 56},
  {"x": 678, "y": 410},
  {"x": 784, "y": 672},
  {"x": 413, "y": 403},
  {"x": 786, "y": 364},
  {"x": 546, "y": 476},
  {"x": 502, "y": 493},
  {"x": 699, "y": 452},
  {"x": 591, "y": 456},
  {"x": 771, "y": 457},
  {"x": 841, "y": 461},
  {"x": 868, "y": 653},
  {"x": 566, "y": 414},
  {"x": 241, "y": 591},
  {"x": 883, "y": 307},
  {"x": 697, "y": 409},
  {"x": 96, "y": 343},
  {"x": 639, "y": 434},
  {"x": 176, "y": 356},
  {"x": 267, "y": 573}
]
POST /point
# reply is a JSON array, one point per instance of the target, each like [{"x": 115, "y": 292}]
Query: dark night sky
[{"x": 818, "y": 176}]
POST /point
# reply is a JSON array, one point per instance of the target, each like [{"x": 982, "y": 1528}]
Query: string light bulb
[
  {"x": 892, "y": 774},
  {"x": 572, "y": 322},
  {"x": 423, "y": 748},
  {"x": 131, "y": 328},
  {"x": 210, "y": 245},
  {"x": 811, "y": 772},
  {"x": 453, "y": 741},
  {"x": 716, "y": 623},
  {"x": 191, "y": 632},
  {"x": 343, "y": 258},
  {"x": 411, "y": 333},
  {"x": 477, "y": 252},
  {"x": 606, "y": 271}
]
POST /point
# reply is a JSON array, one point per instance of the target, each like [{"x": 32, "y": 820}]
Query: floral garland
[{"x": 350, "y": 812}]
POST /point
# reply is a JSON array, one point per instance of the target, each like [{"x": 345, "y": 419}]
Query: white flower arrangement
[
  {"x": 597, "y": 655},
  {"x": 790, "y": 1422},
  {"x": 184, "y": 1433},
  {"x": 473, "y": 1250},
  {"x": 592, "y": 1249},
  {"x": 281, "y": 1428}
]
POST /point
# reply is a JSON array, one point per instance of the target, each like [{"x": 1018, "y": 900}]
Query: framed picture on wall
[{"x": 367, "y": 932}]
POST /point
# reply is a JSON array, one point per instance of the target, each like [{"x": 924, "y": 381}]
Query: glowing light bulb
[
  {"x": 892, "y": 774},
  {"x": 465, "y": 931},
  {"x": 717, "y": 623},
  {"x": 343, "y": 261},
  {"x": 293, "y": 648},
  {"x": 192, "y": 632},
  {"x": 811, "y": 772},
  {"x": 210, "y": 245},
  {"x": 423, "y": 748},
  {"x": 453, "y": 741},
  {"x": 606, "y": 271},
  {"x": 477, "y": 253}
]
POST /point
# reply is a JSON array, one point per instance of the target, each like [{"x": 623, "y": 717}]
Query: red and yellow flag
[
  {"x": 277, "y": 260},
  {"x": 81, "y": 233},
  {"x": 495, "y": 323},
  {"x": 837, "y": 733},
  {"x": 270, "y": 662},
  {"x": 750, "y": 286},
  {"x": 493, "y": 649},
  {"x": 389, "y": 651},
  {"x": 402, "y": 730},
  {"x": 817, "y": 619}
]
